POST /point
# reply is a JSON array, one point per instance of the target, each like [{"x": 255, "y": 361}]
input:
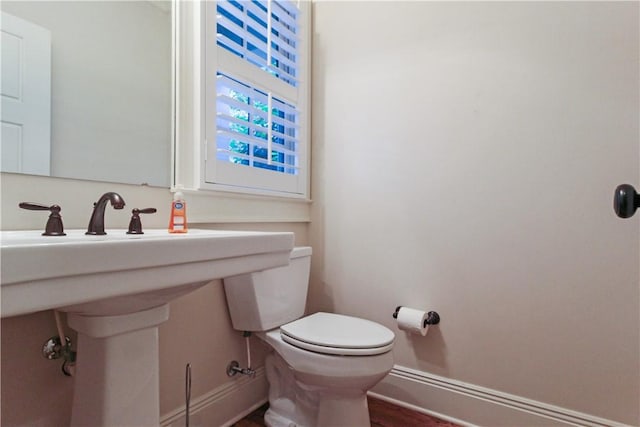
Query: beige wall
[
  {"x": 34, "y": 391},
  {"x": 490, "y": 137},
  {"x": 464, "y": 161}
]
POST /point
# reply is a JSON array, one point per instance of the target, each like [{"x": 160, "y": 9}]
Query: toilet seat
[{"x": 329, "y": 333}]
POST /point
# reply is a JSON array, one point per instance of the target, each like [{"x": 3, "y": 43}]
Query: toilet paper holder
[{"x": 433, "y": 318}]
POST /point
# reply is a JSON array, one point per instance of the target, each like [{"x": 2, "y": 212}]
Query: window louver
[
  {"x": 245, "y": 29},
  {"x": 256, "y": 84}
]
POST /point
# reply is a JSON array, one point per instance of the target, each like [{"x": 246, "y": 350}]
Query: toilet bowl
[{"x": 321, "y": 365}]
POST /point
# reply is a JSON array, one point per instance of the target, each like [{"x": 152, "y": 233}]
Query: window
[{"x": 257, "y": 96}]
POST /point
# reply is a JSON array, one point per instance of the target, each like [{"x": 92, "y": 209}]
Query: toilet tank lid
[{"x": 300, "y": 251}]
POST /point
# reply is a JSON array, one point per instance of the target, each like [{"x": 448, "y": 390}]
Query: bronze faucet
[{"x": 96, "y": 223}]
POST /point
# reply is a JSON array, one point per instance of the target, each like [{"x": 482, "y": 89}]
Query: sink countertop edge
[{"x": 56, "y": 291}]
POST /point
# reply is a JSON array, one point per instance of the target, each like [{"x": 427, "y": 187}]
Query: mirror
[{"x": 87, "y": 90}]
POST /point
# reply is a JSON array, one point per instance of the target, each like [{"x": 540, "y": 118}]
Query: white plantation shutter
[
  {"x": 244, "y": 29},
  {"x": 256, "y": 96}
]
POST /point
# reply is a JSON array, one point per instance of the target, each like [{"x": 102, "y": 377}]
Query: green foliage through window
[{"x": 249, "y": 120}]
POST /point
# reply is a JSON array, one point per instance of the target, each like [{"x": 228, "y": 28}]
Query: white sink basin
[
  {"x": 120, "y": 273},
  {"x": 116, "y": 289}
]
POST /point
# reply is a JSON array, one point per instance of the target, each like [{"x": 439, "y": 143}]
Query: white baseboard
[
  {"x": 462, "y": 403},
  {"x": 223, "y": 405},
  {"x": 470, "y": 405}
]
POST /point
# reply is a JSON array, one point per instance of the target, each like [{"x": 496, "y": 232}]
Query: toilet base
[
  {"x": 292, "y": 403},
  {"x": 289, "y": 403},
  {"x": 344, "y": 411}
]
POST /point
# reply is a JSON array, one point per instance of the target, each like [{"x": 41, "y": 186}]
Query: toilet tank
[{"x": 266, "y": 299}]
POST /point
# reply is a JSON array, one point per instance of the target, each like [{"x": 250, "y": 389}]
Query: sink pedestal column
[{"x": 117, "y": 369}]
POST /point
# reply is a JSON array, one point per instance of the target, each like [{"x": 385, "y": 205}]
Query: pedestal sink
[{"x": 116, "y": 289}]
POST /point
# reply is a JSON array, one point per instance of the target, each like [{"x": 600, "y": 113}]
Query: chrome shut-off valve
[
  {"x": 54, "y": 349},
  {"x": 234, "y": 368}
]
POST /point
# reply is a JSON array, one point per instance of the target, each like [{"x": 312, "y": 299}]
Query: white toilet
[{"x": 323, "y": 364}]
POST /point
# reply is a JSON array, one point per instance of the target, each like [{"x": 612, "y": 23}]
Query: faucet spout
[{"x": 96, "y": 223}]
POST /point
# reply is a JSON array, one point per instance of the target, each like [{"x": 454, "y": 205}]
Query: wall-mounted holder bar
[
  {"x": 433, "y": 318},
  {"x": 187, "y": 393}
]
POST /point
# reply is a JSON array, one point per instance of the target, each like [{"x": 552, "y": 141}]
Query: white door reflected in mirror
[{"x": 26, "y": 96}]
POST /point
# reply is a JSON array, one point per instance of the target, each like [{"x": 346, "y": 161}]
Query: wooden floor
[{"x": 382, "y": 414}]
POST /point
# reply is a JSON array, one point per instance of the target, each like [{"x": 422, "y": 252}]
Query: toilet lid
[{"x": 338, "y": 334}]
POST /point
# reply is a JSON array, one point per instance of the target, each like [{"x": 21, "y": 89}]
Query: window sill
[
  {"x": 220, "y": 206},
  {"x": 247, "y": 192}
]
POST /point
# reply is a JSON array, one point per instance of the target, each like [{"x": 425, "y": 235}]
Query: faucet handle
[
  {"x": 135, "y": 225},
  {"x": 54, "y": 225}
]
